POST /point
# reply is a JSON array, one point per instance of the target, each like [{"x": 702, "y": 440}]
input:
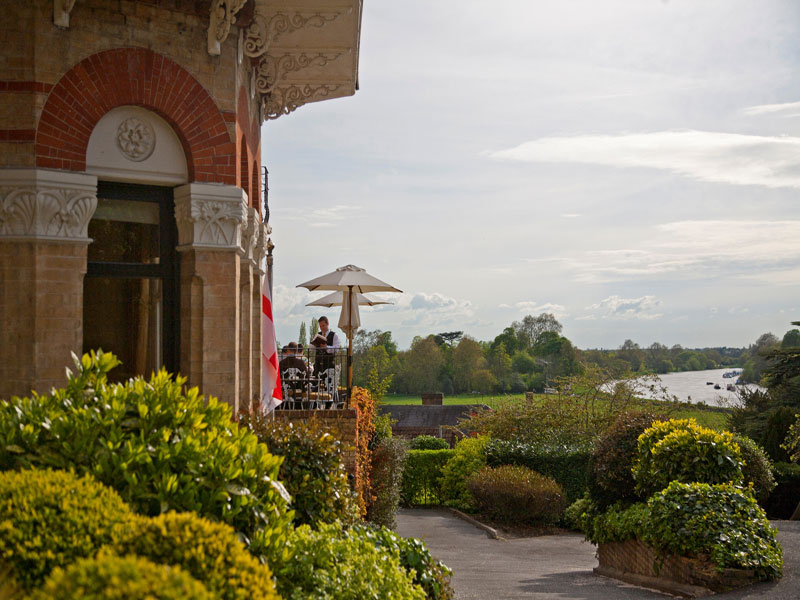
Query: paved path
[{"x": 553, "y": 567}]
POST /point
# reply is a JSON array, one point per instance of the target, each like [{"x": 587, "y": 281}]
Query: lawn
[{"x": 713, "y": 418}]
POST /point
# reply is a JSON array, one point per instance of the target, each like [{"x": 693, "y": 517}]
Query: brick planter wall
[
  {"x": 343, "y": 423},
  {"x": 633, "y": 561}
]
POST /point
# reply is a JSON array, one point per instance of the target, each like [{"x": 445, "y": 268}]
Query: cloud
[
  {"x": 615, "y": 307},
  {"x": 765, "y": 109},
  {"x": 730, "y": 158},
  {"x": 534, "y": 308},
  {"x": 570, "y": 215},
  {"x": 326, "y": 216}
]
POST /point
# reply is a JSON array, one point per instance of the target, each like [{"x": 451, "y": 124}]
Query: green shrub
[
  {"x": 388, "y": 462},
  {"x": 160, "y": 446},
  {"x": 432, "y": 575},
  {"x": 210, "y": 552},
  {"x": 110, "y": 577},
  {"x": 312, "y": 471},
  {"x": 568, "y": 465},
  {"x": 422, "y": 477},
  {"x": 428, "y": 442},
  {"x": 681, "y": 450},
  {"x": 784, "y": 500},
  {"x": 50, "y": 519},
  {"x": 718, "y": 520},
  {"x": 577, "y": 513},
  {"x": 609, "y": 477},
  {"x": 469, "y": 457},
  {"x": 757, "y": 467},
  {"x": 514, "y": 494},
  {"x": 330, "y": 564},
  {"x": 616, "y": 523}
]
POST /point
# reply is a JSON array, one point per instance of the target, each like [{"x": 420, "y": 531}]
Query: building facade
[{"x": 130, "y": 177}]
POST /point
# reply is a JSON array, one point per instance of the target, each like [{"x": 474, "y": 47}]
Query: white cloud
[
  {"x": 570, "y": 215},
  {"x": 731, "y": 158},
  {"x": 531, "y": 307},
  {"x": 615, "y": 307},
  {"x": 325, "y": 216},
  {"x": 765, "y": 109}
]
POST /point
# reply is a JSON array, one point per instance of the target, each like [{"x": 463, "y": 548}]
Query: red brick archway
[{"x": 139, "y": 77}]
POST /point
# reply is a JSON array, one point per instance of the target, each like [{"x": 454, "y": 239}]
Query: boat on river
[{"x": 717, "y": 386}]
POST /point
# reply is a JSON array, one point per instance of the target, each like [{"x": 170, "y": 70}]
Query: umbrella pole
[{"x": 350, "y": 343}]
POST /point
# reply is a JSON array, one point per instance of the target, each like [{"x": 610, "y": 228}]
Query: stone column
[
  {"x": 44, "y": 216},
  {"x": 210, "y": 219}
]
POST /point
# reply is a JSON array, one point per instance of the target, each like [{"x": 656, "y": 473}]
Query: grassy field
[{"x": 713, "y": 418}]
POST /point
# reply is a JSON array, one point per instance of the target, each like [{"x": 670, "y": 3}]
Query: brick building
[{"x": 130, "y": 177}]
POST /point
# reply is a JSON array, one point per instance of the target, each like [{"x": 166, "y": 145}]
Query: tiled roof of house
[{"x": 417, "y": 416}]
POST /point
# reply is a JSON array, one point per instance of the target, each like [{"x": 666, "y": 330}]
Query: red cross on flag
[{"x": 271, "y": 393}]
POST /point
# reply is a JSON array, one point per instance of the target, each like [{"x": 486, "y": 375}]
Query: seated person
[
  {"x": 326, "y": 342},
  {"x": 291, "y": 360}
]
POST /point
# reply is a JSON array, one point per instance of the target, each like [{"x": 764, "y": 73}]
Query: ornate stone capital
[
  {"x": 250, "y": 234},
  {"x": 46, "y": 205},
  {"x": 222, "y": 16},
  {"x": 260, "y": 251},
  {"x": 210, "y": 216},
  {"x": 61, "y": 10}
]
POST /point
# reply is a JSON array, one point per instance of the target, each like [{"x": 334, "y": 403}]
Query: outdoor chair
[{"x": 293, "y": 387}]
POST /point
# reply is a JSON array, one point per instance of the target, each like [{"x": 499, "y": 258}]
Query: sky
[{"x": 631, "y": 166}]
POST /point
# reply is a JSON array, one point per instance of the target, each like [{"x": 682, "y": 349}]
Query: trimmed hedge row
[
  {"x": 567, "y": 466},
  {"x": 422, "y": 477}
]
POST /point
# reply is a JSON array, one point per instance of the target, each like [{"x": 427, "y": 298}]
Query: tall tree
[
  {"x": 303, "y": 337},
  {"x": 467, "y": 359},
  {"x": 422, "y": 365},
  {"x": 530, "y": 328},
  {"x": 313, "y": 328}
]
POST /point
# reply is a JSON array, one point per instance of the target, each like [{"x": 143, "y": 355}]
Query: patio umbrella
[
  {"x": 350, "y": 280},
  {"x": 337, "y": 299}
]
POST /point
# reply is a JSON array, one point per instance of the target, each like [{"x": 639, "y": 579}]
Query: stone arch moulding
[{"x": 137, "y": 77}]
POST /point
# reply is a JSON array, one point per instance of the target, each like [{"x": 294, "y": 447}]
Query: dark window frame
[{"x": 168, "y": 269}]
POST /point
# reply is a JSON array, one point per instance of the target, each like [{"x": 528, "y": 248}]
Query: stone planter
[{"x": 634, "y": 562}]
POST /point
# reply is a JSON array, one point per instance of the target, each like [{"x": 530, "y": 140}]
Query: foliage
[
  {"x": 383, "y": 428},
  {"x": 430, "y": 574},
  {"x": 467, "y": 357},
  {"x": 757, "y": 467},
  {"x": 422, "y": 476},
  {"x": 577, "y": 514},
  {"x": 514, "y": 494},
  {"x": 388, "y": 462},
  {"x": 609, "y": 476},
  {"x": 719, "y": 520},
  {"x": 765, "y": 416},
  {"x": 681, "y": 450},
  {"x": 792, "y": 443},
  {"x": 210, "y": 552},
  {"x": 582, "y": 409},
  {"x": 469, "y": 456},
  {"x": 568, "y": 466},
  {"x": 312, "y": 468},
  {"x": 110, "y": 577},
  {"x": 160, "y": 446},
  {"x": 330, "y": 564},
  {"x": 366, "y": 407},
  {"x": 49, "y": 519},
  {"x": 619, "y": 522},
  {"x": 428, "y": 442},
  {"x": 784, "y": 500},
  {"x": 421, "y": 367}
]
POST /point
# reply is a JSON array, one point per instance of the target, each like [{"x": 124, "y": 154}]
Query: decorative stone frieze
[
  {"x": 270, "y": 23},
  {"x": 61, "y": 10},
  {"x": 210, "y": 216},
  {"x": 37, "y": 204},
  {"x": 273, "y": 69},
  {"x": 287, "y": 98},
  {"x": 222, "y": 16}
]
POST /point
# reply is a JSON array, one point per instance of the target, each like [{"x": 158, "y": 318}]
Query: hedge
[
  {"x": 568, "y": 466},
  {"x": 786, "y": 496},
  {"x": 422, "y": 475}
]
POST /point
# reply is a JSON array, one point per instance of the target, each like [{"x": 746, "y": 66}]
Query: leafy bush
[
  {"x": 432, "y": 575},
  {"x": 681, "y": 450},
  {"x": 162, "y": 448},
  {"x": 469, "y": 457},
  {"x": 210, "y": 552},
  {"x": 568, "y": 465},
  {"x": 50, "y": 519},
  {"x": 333, "y": 564},
  {"x": 365, "y": 403},
  {"x": 515, "y": 494},
  {"x": 718, "y": 520},
  {"x": 616, "y": 523},
  {"x": 428, "y": 442},
  {"x": 388, "y": 462},
  {"x": 757, "y": 467},
  {"x": 110, "y": 577},
  {"x": 609, "y": 477},
  {"x": 785, "y": 499},
  {"x": 312, "y": 468},
  {"x": 577, "y": 513},
  {"x": 422, "y": 477}
]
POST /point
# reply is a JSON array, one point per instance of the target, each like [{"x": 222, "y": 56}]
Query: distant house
[{"x": 414, "y": 420}]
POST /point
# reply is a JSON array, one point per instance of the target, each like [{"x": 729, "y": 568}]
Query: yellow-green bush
[
  {"x": 469, "y": 457},
  {"x": 110, "y": 577},
  {"x": 49, "y": 519},
  {"x": 210, "y": 552}
]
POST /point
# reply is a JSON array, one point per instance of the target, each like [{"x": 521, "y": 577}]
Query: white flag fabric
[{"x": 271, "y": 392}]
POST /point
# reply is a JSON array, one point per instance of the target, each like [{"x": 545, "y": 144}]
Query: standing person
[{"x": 326, "y": 342}]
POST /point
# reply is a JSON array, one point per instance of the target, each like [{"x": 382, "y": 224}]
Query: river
[{"x": 690, "y": 386}]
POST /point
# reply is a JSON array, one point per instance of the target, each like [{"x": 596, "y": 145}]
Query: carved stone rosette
[
  {"x": 46, "y": 205},
  {"x": 210, "y": 216}
]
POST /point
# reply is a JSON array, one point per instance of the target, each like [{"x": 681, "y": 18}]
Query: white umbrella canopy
[{"x": 338, "y": 299}]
